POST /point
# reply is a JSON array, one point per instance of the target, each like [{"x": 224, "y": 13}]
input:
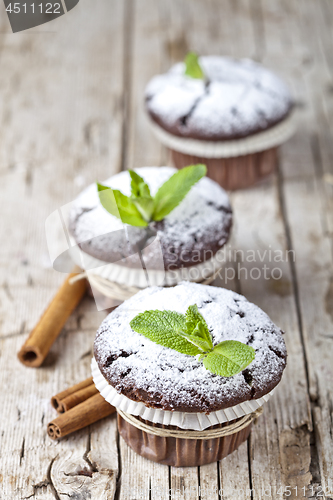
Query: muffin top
[
  {"x": 163, "y": 378},
  {"x": 192, "y": 233},
  {"x": 238, "y": 98}
]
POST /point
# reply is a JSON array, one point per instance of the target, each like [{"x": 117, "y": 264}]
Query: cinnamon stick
[
  {"x": 40, "y": 340},
  {"x": 93, "y": 409},
  {"x": 74, "y": 395}
]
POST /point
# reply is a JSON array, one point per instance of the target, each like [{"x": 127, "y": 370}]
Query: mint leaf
[
  {"x": 145, "y": 207},
  {"x": 193, "y": 317},
  {"x": 138, "y": 185},
  {"x": 229, "y": 358},
  {"x": 190, "y": 335},
  {"x": 121, "y": 206},
  {"x": 197, "y": 341},
  {"x": 196, "y": 325},
  {"x": 141, "y": 208},
  {"x": 161, "y": 327},
  {"x": 192, "y": 66},
  {"x": 172, "y": 192},
  {"x": 141, "y": 196}
]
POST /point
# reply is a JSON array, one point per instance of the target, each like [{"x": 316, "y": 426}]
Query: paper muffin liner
[
  {"x": 142, "y": 278},
  {"x": 236, "y": 172},
  {"x": 180, "y": 452},
  {"x": 272, "y": 137},
  {"x": 184, "y": 420}
]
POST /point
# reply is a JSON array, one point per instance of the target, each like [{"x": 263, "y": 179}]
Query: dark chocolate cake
[
  {"x": 163, "y": 378},
  {"x": 192, "y": 233},
  {"x": 238, "y": 98}
]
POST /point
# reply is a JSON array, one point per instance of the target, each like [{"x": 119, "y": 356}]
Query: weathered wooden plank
[
  {"x": 145, "y": 56},
  {"x": 280, "y": 460},
  {"x": 235, "y": 475},
  {"x": 209, "y": 28},
  {"x": 184, "y": 483},
  {"x": 265, "y": 278},
  {"x": 209, "y": 481},
  {"x": 318, "y": 124},
  {"x": 309, "y": 216},
  {"x": 314, "y": 267},
  {"x": 61, "y": 127},
  {"x": 141, "y": 478},
  {"x": 242, "y": 23},
  {"x": 90, "y": 470}
]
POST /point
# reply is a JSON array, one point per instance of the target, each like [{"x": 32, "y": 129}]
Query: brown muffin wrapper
[
  {"x": 233, "y": 173},
  {"x": 176, "y": 451}
]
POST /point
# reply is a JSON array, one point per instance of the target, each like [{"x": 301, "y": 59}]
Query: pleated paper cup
[
  {"x": 141, "y": 278},
  {"x": 177, "y": 451},
  {"x": 234, "y": 164},
  {"x": 180, "y": 452}
]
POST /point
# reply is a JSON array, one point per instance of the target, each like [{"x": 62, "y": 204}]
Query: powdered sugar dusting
[
  {"x": 200, "y": 222},
  {"x": 241, "y": 98},
  {"x": 163, "y": 378}
]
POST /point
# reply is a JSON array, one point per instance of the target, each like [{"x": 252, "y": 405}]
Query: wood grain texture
[
  {"x": 61, "y": 124},
  {"x": 72, "y": 112}
]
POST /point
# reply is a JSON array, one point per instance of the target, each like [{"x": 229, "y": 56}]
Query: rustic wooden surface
[{"x": 71, "y": 112}]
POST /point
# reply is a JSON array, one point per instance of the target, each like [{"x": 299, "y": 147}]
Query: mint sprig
[
  {"x": 141, "y": 196},
  {"x": 119, "y": 205},
  {"x": 228, "y": 358},
  {"x": 160, "y": 327},
  {"x": 189, "y": 334},
  {"x": 172, "y": 192},
  {"x": 141, "y": 208},
  {"x": 192, "y": 66}
]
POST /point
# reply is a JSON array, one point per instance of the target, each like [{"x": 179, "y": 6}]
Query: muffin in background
[
  {"x": 229, "y": 114},
  {"x": 185, "y": 244}
]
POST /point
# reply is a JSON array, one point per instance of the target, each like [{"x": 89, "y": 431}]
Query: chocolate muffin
[
  {"x": 232, "y": 120},
  {"x": 183, "y": 245},
  {"x": 163, "y": 387},
  {"x": 163, "y": 378}
]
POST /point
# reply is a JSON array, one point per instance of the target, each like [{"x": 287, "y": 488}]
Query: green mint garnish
[
  {"x": 141, "y": 196},
  {"x": 172, "y": 192},
  {"x": 228, "y": 358},
  {"x": 160, "y": 327},
  {"x": 121, "y": 206},
  {"x": 192, "y": 66},
  {"x": 189, "y": 334},
  {"x": 196, "y": 324},
  {"x": 141, "y": 208}
]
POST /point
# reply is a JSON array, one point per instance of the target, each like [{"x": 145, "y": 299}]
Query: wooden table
[{"x": 72, "y": 112}]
